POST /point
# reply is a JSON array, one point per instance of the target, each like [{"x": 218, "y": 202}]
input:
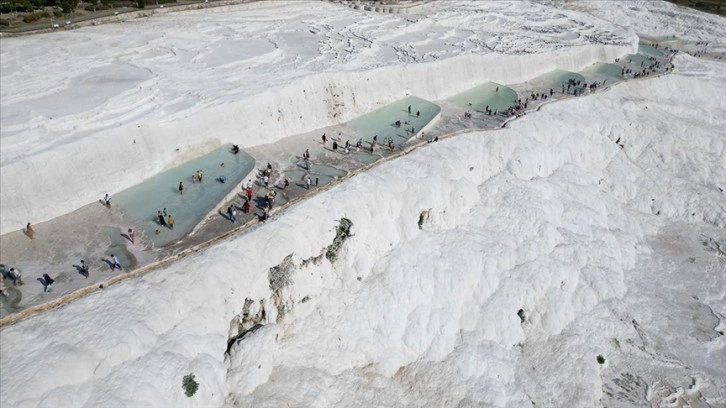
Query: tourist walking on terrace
[
  {"x": 246, "y": 207},
  {"x": 16, "y": 276},
  {"x": 47, "y": 282},
  {"x": 409, "y": 109},
  {"x": 308, "y": 182},
  {"x": 325, "y": 139},
  {"x": 107, "y": 200},
  {"x": 30, "y": 231},
  {"x": 249, "y": 193},
  {"x": 130, "y": 233},
  {"x": 115, "y": 263},
  {"x": 84, "y": 269}
]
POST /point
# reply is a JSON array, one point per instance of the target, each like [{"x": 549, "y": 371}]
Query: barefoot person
[{"x": 30, "y": 231}]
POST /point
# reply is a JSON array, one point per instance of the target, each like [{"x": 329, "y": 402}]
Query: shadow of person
[
  {"x": 127, "y": 237},
  {"x": 225, "y": 215},
  {"x": 109, "y": 263},
  {"x": 260, "y": 202},
  {"x": 42, "y": 282},
  {"x": 80, "y": 270}
]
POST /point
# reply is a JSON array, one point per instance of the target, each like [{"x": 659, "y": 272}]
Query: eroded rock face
[
  {"x": 342, "y": 233},
  {"x": 252, "y": 317}
]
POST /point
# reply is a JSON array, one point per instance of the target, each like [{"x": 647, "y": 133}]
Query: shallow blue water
[
  {"x": 381, "y": 122},
  {"x": 496, "y": 96},
  {"x": 649, "y": 50},
  {"x": 140, "y": 203},
  {"x": 323, "y": 174},
  {"x": 636, "y": 59},
  {"x": 610, "y": 70}
]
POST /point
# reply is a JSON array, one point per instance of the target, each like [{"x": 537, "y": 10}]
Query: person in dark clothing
[{"x": 47, "y": 282}]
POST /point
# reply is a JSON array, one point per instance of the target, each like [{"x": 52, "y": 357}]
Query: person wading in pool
[{"x": 181, "y": 188}]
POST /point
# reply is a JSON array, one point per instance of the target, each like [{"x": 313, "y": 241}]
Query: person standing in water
[
  {"x": 308, "y": 182},
  {"x": 160, "y": 216},
  {"x": 170, "y": 221},
  {"x": 115, "y": 263},
  {"x": 409, "y": 109},
  {"x": 181, "y": 188},
  {"x": 130, "y": 233}
]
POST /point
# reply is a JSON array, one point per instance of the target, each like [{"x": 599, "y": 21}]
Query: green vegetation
[
  {"x": 190, "y": 385},
  {"x": 18, "y": 13},
  {"x": 709, "y": 6},
  {"x": 31, "y": 17}
]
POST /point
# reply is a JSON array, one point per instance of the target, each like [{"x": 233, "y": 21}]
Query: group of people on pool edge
[{"x": 165, "y": 219}]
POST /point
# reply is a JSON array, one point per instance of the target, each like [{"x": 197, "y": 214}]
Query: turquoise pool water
[
  {"x": 381, "y": 121},
  {"x": 649, "y": 50},
  {"x": 140, "y": 203},
  {"x": 636, "y": 59},
  {"x": 559, "y": 77},
  {"x": 486, "y": 95},
  {"x": 324, "y": 175},
  {"x": 613, "y": 71}
]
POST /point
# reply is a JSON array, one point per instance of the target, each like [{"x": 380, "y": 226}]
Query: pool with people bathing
[
  {"x": 391, "y": 121},
  {"x": 139, "y": 204},
  {"x": 490, "y": 94}
]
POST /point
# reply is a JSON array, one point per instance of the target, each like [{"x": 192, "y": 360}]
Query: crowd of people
[{"x": 267, "y": 201}]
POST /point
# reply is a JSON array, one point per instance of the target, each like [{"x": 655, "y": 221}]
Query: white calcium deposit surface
[
  {"x": 609, "y": 252},
  {"x": 97, "y": 110}
]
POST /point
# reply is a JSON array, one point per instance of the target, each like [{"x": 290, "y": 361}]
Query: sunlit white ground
[
  {"x": 608, "y": 251},
  {"x": 122, "y": 98}
]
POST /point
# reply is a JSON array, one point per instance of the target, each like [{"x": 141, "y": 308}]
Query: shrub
[
  {"x": 4, "y": 23},
  {"x": 190, "y": 385},
  {"x": 32, "y": 17},
  {"x": 57, "y": 13}
]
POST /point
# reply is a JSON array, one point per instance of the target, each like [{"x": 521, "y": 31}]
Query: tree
[
  {"x": 66, "y": 7},
  {"x": 190, "y": 385},
  {"x": 140, "y": 3}
]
